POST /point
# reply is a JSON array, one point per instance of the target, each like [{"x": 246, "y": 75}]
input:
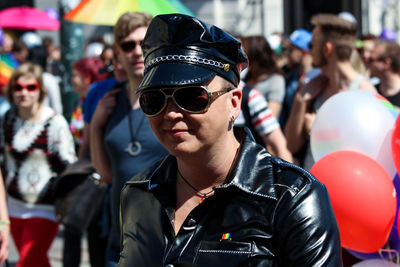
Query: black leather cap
[{"x": 182, "y": 50}]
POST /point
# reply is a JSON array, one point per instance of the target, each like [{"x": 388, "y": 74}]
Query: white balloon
[
  {"x": 354, "y": 120},
  {"x": 375, "y": 263}
]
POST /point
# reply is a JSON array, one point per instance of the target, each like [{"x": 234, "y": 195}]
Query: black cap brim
[{"x": 175, "y": 74}]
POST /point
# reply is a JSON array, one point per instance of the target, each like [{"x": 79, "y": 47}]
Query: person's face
[
  {"x": 81, "y": 86},
  {"x": 56, "y": 54},
  {"x": 316, "y": 48},
  {"x": 295, "y": 55},
  {"x": 107, "y": 56},
  {"x": 7, "y": 43},
  {"x": 21, "y": 56},
  {"x": 183, "y": 133},
  {"x": 50, "y": 50},
  {"x": 130, "y": 53},
  {"x": 306, "y": 60},
  {"x": 366, "y": 51},
  {"x": 26, "y": 92},
  {"x": 377, "y": 64}
]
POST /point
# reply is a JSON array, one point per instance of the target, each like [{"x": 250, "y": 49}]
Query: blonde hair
[
  {"x": 357, "y": 63},
  {"x": 26, "y": 69}
]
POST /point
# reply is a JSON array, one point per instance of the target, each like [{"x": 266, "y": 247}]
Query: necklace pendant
[{"x": 134, "y": 148}]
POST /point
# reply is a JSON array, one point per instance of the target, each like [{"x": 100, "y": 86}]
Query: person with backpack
[{"x": 264, "y": 127}]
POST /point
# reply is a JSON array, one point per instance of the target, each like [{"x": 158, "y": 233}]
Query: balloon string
[{"x": 393, "y": 255}]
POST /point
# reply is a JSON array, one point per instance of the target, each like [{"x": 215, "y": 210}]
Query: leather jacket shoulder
[{"x": 269, "y": 213}]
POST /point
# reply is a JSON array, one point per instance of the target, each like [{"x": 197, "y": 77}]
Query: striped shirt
[{"x": 262, "y": 119}]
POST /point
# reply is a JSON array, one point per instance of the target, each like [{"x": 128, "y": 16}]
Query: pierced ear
[
  {"x": 327, "y": 49},
  {"x": 236, "y": 101},
  {"x": 388, "y": 63}
]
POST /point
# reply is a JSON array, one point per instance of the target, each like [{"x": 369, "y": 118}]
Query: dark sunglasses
[
  {"x": 128, "y": 46},
  {"x": 371, "y": 60},
  {"x": 192, "y": 99},
  {"x": 29, "y": 86}
]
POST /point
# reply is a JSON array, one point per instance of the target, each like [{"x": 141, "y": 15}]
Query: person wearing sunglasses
[
  {"x": 121, "y": 141},
  {"x": 219, "y": 198},
  {"x": 38, "y": 147},
  {"x": 385, "y": 65}
]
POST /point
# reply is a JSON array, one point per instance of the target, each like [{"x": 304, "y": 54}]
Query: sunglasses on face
[
  {"x": 371, "y": 60},
  {"x": 129, "y": 46},
  {"x": 192, "y": 99},
  {"x": 28, "y": 86}
]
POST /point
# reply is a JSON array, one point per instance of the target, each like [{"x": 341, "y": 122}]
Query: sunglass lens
[
  {"x": 31, "y": 87},
  {"x": 18, "y": 87},
  {"x": 193, "y": 99},
  {"x": 152, "y": 102},
  {"x": 127, "y": 46}
]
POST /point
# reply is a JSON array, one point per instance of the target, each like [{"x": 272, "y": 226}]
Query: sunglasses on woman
[
  {"x": 192, "y": 99},
  {"x": 31, "y": 87}
]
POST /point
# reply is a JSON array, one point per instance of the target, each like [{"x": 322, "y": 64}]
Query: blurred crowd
[{"x": 287, "y": 80}]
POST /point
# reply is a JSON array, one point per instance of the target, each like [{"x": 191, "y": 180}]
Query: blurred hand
[
  {"x": 312, "y": 89},
  {"x": 4, "y": 243},
  {"x": 308, "y": 122},
  {"x": 104, "y": 108}
]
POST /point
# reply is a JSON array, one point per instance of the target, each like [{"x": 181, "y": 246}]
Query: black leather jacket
[{"x": 277, "y": 214}]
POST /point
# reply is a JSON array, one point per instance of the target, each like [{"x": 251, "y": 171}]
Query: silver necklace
[{"x": 134, "y": 147}]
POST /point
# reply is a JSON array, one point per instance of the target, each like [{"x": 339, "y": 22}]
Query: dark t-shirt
[
  {"x": 394, "y": 99},
  {"x": 124, "y": 166},
  {"x": 96, "y": 92}
]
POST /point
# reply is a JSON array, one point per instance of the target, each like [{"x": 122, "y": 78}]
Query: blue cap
[{"x": 301, "y": 38}]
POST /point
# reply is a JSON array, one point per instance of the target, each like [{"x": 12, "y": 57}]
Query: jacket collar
[{"x": 252, "y": 173}]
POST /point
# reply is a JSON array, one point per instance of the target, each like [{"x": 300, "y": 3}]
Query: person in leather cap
[{"x": 218, "y": 199}]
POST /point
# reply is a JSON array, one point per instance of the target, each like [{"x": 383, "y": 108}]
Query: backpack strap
[{"x": 245, "y": 105}]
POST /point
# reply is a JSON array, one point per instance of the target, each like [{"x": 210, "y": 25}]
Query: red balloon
[
  {"x": 398, "y": 225},
  {"x": 363, "y": 198},
  {"x": 396, "y": 144}
]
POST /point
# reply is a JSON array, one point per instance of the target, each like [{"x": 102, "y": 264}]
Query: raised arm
[
  {"x": 278, "y": 145},
  {"x": 294, "y": 130}
]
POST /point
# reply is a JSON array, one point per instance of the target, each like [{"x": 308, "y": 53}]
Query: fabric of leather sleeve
[{"x": 307, "y": 233}]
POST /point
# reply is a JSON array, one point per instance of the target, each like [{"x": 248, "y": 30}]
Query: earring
[{"x": 232, "y": 118}]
